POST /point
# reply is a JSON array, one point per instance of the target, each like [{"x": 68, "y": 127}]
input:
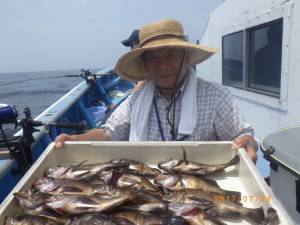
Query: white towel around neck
[{"x": 141, "y": 109}]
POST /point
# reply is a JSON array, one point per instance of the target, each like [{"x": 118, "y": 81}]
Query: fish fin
[
  {"x": 59, "y": 211},
  {"x": 234, "y": 160},
  {"x": 74, "y": 166},
  {"x": 210, "y": 181},
  {"x": 271, "y": 218},
  {"x": 184, "y": 156},
  {"x": 79, "y": 164},
  {"x": 80, "y": 175},
  {"x": 255, "y": 214}
]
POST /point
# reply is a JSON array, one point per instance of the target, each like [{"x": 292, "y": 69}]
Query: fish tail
[
  {"x": 272, "y": 217},
  {"x": 235, "y": 160},
  {"x": 257, "y": 214}
]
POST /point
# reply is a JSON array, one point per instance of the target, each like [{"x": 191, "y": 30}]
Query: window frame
[
  {"x": 248, "y": 62},
  {"x": 223, "y": 77},
  {"x": 262, "y": 16}
]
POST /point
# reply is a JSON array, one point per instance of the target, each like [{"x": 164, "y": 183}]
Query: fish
[
  {"x": 30, "y": 200},
  {"x": 139, "y": 218},
  {"x": 213, "y": 206},
  {"x": 32, "y": 203},
  {"x": 50, "y": 214},
  {"x": 95, "y": 219},
  {"x": 144, "y": 197},
  {"x": 186, "y": 196},
  {"x": 192, "y": 214},
  {"x": 174, "y": 182},
  {"x": 194, "y": 168},
  {"x": 134, "y": 181},
  {"x": 137, "y": 167},
  {"x": 79, "y": 172},
  {"x": 78, "y": 204},
  {"x": 271, "y": 218},
  {"x": 29, "y": 220},
  {"x": 58, "y": 186},
  {"x": 147, "y": 207},
  {"x": 106, "y": 175}
]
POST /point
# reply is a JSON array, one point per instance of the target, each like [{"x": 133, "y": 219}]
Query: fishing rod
[
  {"x": 38, "y": 78},
  {"x": 85, "y": 74},
  {"x": 20, "y": 147}
]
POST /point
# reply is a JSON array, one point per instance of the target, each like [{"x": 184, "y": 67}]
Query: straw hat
[{"x": 159, "y": 34}]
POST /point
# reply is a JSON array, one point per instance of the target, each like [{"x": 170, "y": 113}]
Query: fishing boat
[
  {"x": 84, "y": 107},
  {"x": 257, "y": 61}
]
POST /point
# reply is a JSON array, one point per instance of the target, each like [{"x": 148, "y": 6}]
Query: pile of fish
[{"x": 129, "y": 192}]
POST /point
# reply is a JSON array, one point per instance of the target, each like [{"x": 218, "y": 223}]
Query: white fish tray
[{"x": 243, "y": 177}]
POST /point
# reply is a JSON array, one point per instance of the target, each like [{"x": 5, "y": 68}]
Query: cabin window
[
  {"x": 261, "y": 50},
  {"x": 232, "y": 59},
  {"x": 265, "y": 48}
]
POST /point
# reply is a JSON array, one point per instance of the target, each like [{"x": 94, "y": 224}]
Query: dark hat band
[{"x": 163, "y": 36}]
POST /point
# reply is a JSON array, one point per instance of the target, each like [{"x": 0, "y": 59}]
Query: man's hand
[
  {"x": 247, "y": 142},
  {"x": 61, "y": 139},
  {"x": 92, "y": 135}
]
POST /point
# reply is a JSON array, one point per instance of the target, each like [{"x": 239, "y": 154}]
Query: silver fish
[
  {"x": 194, "y": 168},
  {"x": 134, "y": 181},
  {"x": 59, "y": 186},
  {"x": 137, "y": 167},
  {"x": 92, "y": 219},
  {"x": 192, "y": 214},
  {"x": 29, "y": 220},
  {"x": 77, "y": 172},
  {"x": 78, "y": 204},
  {"x": 183, "y": 181},
  {"x": 30, "y": 200},
  {"x": 213, "y": 206},
  {"x": 139, "y": 218},
  {"x": 147, "y": 207}
]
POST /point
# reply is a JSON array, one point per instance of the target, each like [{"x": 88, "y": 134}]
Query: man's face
[{"x": 163, "y": 66}]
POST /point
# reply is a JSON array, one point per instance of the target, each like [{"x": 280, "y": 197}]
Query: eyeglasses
[{"x": 170, "y": 56}]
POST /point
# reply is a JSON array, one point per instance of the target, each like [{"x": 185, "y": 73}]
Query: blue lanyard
[{"x": 160, "y": 127}]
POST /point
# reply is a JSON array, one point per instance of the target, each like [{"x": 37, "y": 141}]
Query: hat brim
[{"x": 131, "y": 67}]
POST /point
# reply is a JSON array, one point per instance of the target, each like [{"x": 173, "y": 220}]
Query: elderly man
[{"x": 173, "y": 104}]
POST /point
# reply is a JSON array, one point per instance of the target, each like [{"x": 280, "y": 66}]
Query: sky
[{"x": 44, "y": 35}]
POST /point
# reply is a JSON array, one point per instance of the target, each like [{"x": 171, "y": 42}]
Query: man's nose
[{"x": 163, "y": 63}]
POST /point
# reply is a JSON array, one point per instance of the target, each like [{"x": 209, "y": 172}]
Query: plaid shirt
[{"x": 218, "y": 117}]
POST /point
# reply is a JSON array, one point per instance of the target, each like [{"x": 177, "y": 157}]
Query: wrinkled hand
[
  {"x": 248, "y": 143},
  {"x": 61, "y": 139}
]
